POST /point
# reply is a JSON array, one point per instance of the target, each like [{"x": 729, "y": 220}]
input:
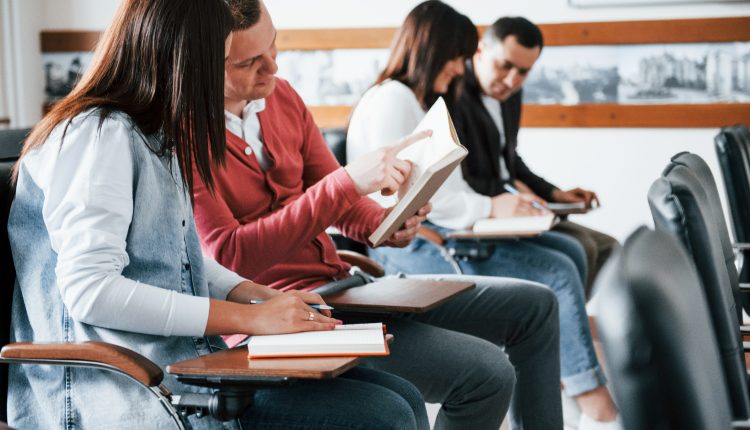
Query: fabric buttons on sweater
[{"x": 248, "y": 151}]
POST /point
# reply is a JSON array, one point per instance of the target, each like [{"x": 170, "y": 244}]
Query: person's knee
[
  {"x": 493, "y": 375},
  {"x": 397, "y": 414}
]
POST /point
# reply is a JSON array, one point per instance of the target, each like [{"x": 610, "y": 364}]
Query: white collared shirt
[
  {"x": 248, "y": 128},
  {"x": 495, "y": 110}
]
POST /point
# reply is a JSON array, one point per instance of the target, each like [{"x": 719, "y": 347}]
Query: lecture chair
[
  {"x": 702, "y": 172},
  {"x": 733, "y": 151},
  {"x": 232, "y": 394},
  {"x": 681, "y": 207},
  {"x": 656, "y": 333}
]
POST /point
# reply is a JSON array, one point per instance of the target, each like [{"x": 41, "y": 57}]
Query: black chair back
[
  {"x": 11, "y": 142},
  {"x": 733, "y": 150},
  {"x": 336, "y": 140},
  {"x": 702, "y": 172},
  {"x": 657, "y": 338},
  {"x": 680, "y": 206}
]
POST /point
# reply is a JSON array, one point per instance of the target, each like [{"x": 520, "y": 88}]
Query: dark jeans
[
  {"x": 361, "y": 399},
  {"x": 491, "y": 349}
]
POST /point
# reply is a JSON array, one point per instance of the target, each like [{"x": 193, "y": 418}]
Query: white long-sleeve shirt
[
  {"x": 390, "y": 111},
  {"x": 88, "y": 206}
]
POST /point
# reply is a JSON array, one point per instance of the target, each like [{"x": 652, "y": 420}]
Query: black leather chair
[
  {"x": 681, "y": 207},
  {"x": 702, "y": 172},
  {"x": 336, "y": 140},
  {"x": 11, "y": 142},
  {"x": 657, "y": 337},
  {"x": 231, "y": 398},
  {"x": 733, "y": 151}
]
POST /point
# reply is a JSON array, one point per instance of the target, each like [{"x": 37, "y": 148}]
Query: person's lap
[
  {"x": 454, "y": 354},
  {"x": 359, "y": 399}
]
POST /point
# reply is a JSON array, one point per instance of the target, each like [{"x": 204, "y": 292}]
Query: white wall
[{"x": 619, "y": 164}]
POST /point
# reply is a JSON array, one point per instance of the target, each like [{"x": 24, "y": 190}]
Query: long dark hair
[
  {"x": 432, "y": 34},
  {"x": 162, "y": 63}
]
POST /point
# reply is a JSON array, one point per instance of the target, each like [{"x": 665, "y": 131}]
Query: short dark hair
[
  {"x": 246, "y": 13},
  {"x": 526, "y": 32},
  {"x": 432, "y": 34}
]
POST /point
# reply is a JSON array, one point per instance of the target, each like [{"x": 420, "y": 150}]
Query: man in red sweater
[{"x": 281, "y": 188}]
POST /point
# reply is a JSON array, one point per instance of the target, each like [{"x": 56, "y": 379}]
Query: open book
[
  {"x": 433, "y": 159},
  {"x": 521, "y": 226},
  {"x": 344, "y": 340}
]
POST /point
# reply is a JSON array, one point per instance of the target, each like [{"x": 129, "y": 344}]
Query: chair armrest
[
  {"x": 744, "y": 329},
  {"x": 431, "y": 235},
  {"x": 741, "y": 246},
  {"x": 745, "y": 287},
  {"x": 741, "y": 425},
  {"x": 86, "y": 354},
  {"x": 363, "y": 262}
]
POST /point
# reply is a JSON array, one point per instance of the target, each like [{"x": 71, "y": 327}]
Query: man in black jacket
[{"x": 487, "y": 114}]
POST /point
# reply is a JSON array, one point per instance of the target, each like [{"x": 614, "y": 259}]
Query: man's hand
[
  {"x": 508, "y": 205},
  {"x": 576, "y": 195},
  {"x": 381, "y": 170},
  {"x": 409, "y": 230}
]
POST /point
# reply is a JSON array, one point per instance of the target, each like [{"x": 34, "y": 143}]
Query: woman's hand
[
  {"x": 381, "y": 170},
  {"x": 287, "y": 312},
  {"x": 290, "y": 313}
]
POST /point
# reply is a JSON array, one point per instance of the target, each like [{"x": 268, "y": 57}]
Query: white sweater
[{"x": 390, "y": 111}]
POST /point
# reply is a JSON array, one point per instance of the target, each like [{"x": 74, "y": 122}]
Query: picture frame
[{"x": 609, "y": 35}]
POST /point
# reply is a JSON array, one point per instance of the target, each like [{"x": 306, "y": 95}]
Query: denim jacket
[{"x": 163, "y": 250}]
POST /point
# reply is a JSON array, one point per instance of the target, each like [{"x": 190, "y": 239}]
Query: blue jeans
[
  {"x": 531, "y": 259},
  {"x": 361, "y": 398}
]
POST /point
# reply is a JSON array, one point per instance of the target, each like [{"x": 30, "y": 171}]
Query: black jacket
[{"x": 478, "y": 133}]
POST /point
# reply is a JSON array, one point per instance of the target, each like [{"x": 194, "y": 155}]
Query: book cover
[{"x": 433, "y": 160}]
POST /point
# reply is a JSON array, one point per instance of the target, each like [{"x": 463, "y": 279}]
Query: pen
[
  {"x": 314, "y": 306},
  {"x": 511, "y": 189}
]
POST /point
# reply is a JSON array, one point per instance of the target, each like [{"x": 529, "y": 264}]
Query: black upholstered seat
[
  {"x": 681, "y": 206},
  {"x": 11, "y": 142},
  {"x": 733, "y": 151},
  {"x": 656, "y": 331}
]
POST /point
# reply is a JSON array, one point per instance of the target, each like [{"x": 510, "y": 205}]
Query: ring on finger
[{"x": 310, "y": 316}]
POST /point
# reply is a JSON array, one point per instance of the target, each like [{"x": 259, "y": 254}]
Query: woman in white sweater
[{"x": 420, "y": 69}]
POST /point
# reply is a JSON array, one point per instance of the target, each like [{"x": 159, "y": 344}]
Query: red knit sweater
[{"x": 270, "y": 226}]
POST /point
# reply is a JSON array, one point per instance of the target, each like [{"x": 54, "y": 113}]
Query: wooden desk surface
[
  {"x": 397, "y": 295},
  {"x": 234, "y": 362}
]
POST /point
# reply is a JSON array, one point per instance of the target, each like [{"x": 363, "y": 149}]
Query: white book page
[
  {"x": 355, "y": 334},
  {"x": 429, "y": 151},
  {"x": 512, "y": 224}
]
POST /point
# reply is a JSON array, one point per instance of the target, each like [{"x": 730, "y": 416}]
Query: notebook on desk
[
  {"x": 522, "y": 226},
  {"x": 433, "y": 160},
  {"x": 568, "y": 208},
  {"x": 344, "y": 340}
]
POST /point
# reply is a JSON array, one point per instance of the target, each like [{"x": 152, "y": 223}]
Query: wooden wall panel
[
  {"x": 592, "y": 33},
  {"x": 587, "y": 33},
  {"x": 602, "y": 115}
]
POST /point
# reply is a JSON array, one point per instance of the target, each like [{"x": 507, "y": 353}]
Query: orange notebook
[{"x": 345, "y": 340}]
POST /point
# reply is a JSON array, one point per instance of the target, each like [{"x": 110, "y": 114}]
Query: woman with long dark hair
[
  {"x": 105, "y": 247},
  {"x": 427, "y": 59}
]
